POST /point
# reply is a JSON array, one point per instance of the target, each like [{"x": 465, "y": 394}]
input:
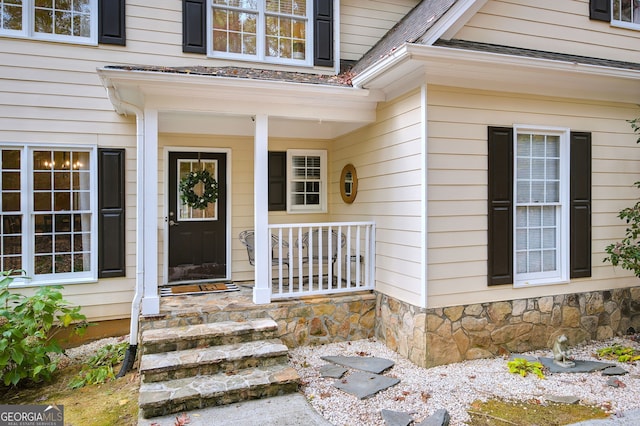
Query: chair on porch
[
  {"x": 327, "y": 241},
  {"x": 247, "y": 238}
]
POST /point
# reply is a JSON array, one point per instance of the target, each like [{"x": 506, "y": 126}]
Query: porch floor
[{"x": 302, "y": 321}]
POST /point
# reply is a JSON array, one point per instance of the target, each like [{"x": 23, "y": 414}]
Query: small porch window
[
  {"x": 626, "y": 13},
  {"x": 307, "y": 181}
]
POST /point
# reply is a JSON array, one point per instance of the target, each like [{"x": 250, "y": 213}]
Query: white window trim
[
  {"x": 562, "y": 274},
  {"x": 26, "y": 206},
  {"x": 322, "y": 207},
  {"x": 28, "y": 32},
  {"x": 261, "y": 40}
]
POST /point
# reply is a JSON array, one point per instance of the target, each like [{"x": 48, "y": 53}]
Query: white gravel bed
[{"x": 455, "y": 387}]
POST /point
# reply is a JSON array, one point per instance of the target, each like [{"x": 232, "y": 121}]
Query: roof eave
[
  {"x": 165, "y": 91},
  {"x": 500, "y": 72}
]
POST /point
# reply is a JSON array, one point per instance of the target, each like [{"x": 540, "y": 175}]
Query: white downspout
[{"x": 139, "y": 288}]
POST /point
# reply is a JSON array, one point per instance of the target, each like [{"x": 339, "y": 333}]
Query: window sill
[
  {"x": 70, "y": 40},
  {"x": 21, "y": 282},
  {"x": 540, "y": 282},
  {"x": 625, "y": 25}
]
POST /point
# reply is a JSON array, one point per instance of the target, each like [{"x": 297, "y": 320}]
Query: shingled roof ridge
[{"x": 409, "y": 29}]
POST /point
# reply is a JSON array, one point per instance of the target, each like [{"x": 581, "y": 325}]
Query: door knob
[{"x": 173, "y": 223}]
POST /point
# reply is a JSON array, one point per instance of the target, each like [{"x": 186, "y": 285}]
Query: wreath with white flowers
[{"x": 209, "y": 192}]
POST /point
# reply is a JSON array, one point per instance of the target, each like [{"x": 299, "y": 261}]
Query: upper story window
[
  {"x": 626, "y": 12},
  {"x": 262, "y": 30},
  {"x": 56, "y": 20}
]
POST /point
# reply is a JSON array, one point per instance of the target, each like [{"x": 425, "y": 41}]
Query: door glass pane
[{"x": 185, "y": 212}]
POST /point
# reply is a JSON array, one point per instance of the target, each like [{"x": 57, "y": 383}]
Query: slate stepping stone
[
  {"x": 563, "y": 399},
  {"x": 363, "y": 384},
  {"x": 396, "y": 418},
  {"x": 371, "y": 364},
  {"x": 527, "y": 357},
  {"x": 440, "y": 418},
  {"x": 614, "y": 371},
  {"x": 332, "y": 371},
  {"x": 614, "y": 382},
  {"x": 580, "y": 367}
]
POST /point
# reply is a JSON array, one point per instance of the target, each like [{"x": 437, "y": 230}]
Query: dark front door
[{"x": 197, "y": 237}]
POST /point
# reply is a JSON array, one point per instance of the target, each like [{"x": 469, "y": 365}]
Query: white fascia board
[
  {"x": 188, "y": 92},
  {"x": 501, "y": 72}
]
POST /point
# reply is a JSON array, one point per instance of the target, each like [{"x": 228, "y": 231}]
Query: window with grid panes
[
  {"x": 540, "y": 207},
  {"x": 265, "y": 30},
  {"x": 48, "y": 213},
  {"x": 307, "y": 181},
  {"x": 57, "y": 20}
]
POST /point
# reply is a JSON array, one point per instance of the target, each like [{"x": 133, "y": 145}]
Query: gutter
[{"x": 122, "y": 107}]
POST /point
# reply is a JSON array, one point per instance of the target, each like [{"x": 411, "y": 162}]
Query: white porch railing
[{"x": 321, "y": 258}]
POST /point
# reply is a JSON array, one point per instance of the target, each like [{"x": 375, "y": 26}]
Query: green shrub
[
  {"x": 27, "y": 334},
  {"x": 99, "y": 368},
  {"x": 523, "y": 367}
]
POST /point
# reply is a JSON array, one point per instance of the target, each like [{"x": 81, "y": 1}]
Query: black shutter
[
  {"x": 580, "y": 215},
  {"x": 277, "y": 181},
  {"x": 111, "y": 213},
  {"x": 323, "y": 33},
  {"x": 600, "y": 10},
  {"x": 111, "y": 22},
  {"x": 500, "y": 214},
  {"x": 194, "y": 26}
]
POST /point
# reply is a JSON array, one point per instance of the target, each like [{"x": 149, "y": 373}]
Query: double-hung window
[
  {"x": 48, "y": 214},
  {"x": 307, "y": 181},
  {"x": 541, "y": 206},
  {"x": 57, "y": 20},
  {"x": 262, "y": 30}
]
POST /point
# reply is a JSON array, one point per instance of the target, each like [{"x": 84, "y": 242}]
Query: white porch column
[
  {"x": 149, "y": 202},
  {"x": 262, "y": 289}
]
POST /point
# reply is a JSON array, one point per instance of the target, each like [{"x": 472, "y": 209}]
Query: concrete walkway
[{"x": 286, "y": 410}]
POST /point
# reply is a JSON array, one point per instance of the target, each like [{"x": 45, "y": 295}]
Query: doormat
[{"x": 184, "y": 289}]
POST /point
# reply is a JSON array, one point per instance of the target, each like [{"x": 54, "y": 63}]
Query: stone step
[
  {"x": 205, "y": 335},
  {"x": 173, "y": 396},
  {"x": 217, "y": 359}
]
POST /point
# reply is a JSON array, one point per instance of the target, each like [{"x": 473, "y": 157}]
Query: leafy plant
[
  {"x": 99, "y": 368},
  {"x": 626, "y": 253},
  {"x": 27, "y": 332},
  {"x": 523, "y": 367},
  {"x": 619, "y": 353}
]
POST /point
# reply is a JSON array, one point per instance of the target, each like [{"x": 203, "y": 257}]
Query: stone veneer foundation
[{"x": 436, "y": 336}]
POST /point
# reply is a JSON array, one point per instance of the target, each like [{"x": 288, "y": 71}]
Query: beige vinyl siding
[
  {"x": 388, "y": 160},
  {"x": 457, "y": 176},
  {"x": 550, "y": 25},
  {"x": 364, "y": 22}
]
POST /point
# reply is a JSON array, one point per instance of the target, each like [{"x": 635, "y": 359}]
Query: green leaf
[{"x": 17, "y": 357}]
